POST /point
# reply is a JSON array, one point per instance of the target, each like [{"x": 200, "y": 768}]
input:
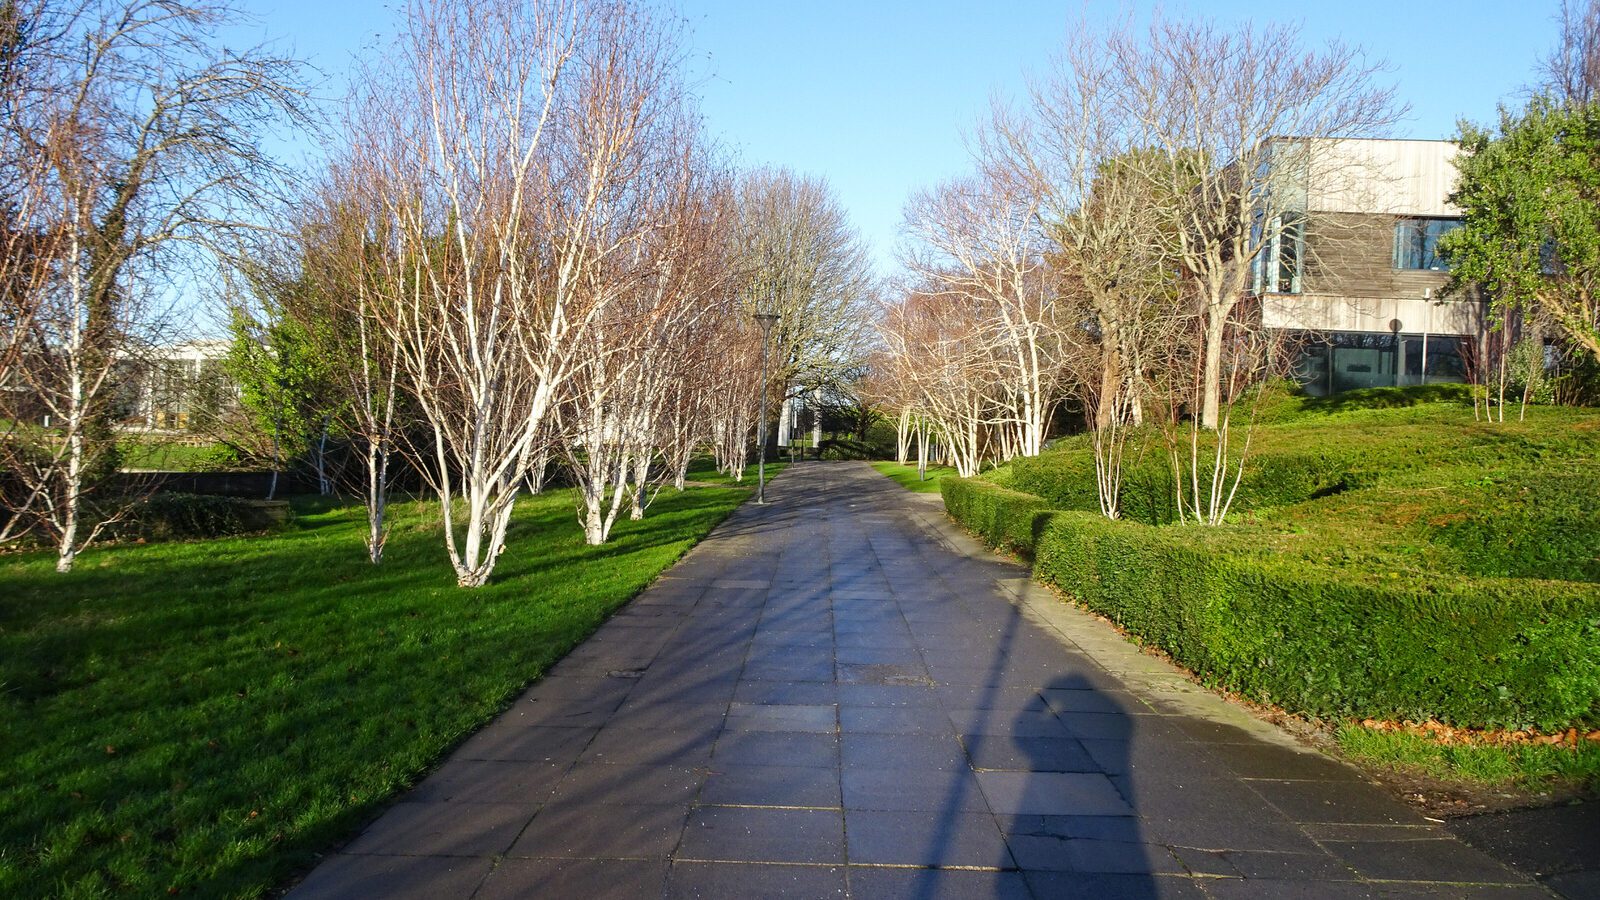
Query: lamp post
[{"x": 766, "y": 320}]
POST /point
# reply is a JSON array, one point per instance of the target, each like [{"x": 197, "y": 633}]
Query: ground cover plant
[
  {"x": 201, "y": 717},
  {"x": 909, "y": 478},
  {"x": 1389, "y": 557}
]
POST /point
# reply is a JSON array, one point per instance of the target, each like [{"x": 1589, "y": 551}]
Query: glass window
[
  {"x": 1291, "y": 247},
  {"x": 1276, "y": 269},
  {"x": 1416, "y": 243}
]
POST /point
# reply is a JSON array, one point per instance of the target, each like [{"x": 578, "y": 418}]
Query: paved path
[{"x": 838, "y": 694}]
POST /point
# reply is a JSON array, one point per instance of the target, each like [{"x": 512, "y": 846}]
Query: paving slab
[{"x": 842, "y": 694}]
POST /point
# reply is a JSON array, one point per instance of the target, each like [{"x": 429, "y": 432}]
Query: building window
[
  {"x": 1416, "y": 243},
  {"x": 1339, "y": 361},
  {"x": 1277, "y": 268}
]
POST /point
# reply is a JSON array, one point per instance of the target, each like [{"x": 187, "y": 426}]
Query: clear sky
[{"x": 875, "y": 95}]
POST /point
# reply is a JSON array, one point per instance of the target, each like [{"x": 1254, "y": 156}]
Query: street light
[{"x": 766, "y": 320}]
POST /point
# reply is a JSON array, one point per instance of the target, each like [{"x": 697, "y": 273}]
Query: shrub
[
  {"x": 170, "y": 515},
  {"x": 1003, "y": 518},
  {"x": 1389, "y": 398},
  {"x": 1326, "y": 642},
  {"x": 1528, "y": 526},
  {"x": 1404, "y": 563},
  {"x": 881, "y": 437},
  {"x": 1067, "y": 480}
]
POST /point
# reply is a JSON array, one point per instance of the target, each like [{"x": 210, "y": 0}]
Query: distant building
[
  {"x": 1355, "y": 272},
  {"x": 177, "y": 388}
]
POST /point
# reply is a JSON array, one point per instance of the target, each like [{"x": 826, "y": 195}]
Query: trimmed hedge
[
  {"x": 1315, "y": 639},
  {"x": 1003, "y": 518},
  {"x": 172, "y": 515},
  {"x": 1067, "y": 481}
]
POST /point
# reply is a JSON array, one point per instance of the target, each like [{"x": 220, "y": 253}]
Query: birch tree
[
  {"x": 505, "y": 136},
  {"x": 978, "y": 241},
  {"x": 351, "y": 281},
  {"x": 946, "y": 360},
  {"x": 1210, "y": 103},
  {"x": 148, "y": 135}
]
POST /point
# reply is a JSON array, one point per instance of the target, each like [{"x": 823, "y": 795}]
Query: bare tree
[
  {"x": 979, "y": 242},
  {"x": 1572, "y": 70},
  {"x": 1232, "y": 119},
  {"x": 149, "y": 136},
  {"x": 506, "y": 138},
  {"x": 802, "y": 258},
  {"x": 1101, "y": 218},
  {"x": 1208, "y": 465},
  {"x": 945, "y": 358}
]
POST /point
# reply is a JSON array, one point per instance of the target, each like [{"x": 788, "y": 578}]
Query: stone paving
[{"x": 839, "y": 694}]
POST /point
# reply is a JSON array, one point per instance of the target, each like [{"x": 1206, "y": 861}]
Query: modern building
[
  {"x": 1351, "y": 266},
  {"x": 176, "y": 388}
]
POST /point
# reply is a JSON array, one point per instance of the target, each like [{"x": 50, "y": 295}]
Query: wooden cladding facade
[{"x": 1349, "y": 283}]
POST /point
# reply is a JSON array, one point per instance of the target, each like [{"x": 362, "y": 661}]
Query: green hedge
[
  {"x": 1315, "y": 639},
  {"x": 1067, "y": 481},
  {"x": 173, "y": 515},
  {"x": 1003, "y": 518}
]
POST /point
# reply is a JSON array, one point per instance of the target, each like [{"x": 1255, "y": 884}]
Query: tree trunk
[
  {"x": 68, "y": 548},
  {"x": 785, "y": 422},
  {"x": 641, "y": 475},
  {"x": 1211, "y": 377},
  {"x": 377, "y": 498},
  {"x": 324, "y": 486},
  {"x": 922, "y": 450},
  {"x": 816, "y": 422}
]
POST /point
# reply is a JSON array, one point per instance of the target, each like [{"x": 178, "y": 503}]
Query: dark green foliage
[
  {"x": 1577, "y": 380},
  {"x": 172, "y": 515},
  {"x": 846, "y": 448},
  {"x": 1394, "y": 562},
  {"x": 1530, "y": 233},
  {"x": 1532, "y": 526},
  {"x": 1003, "y": 518},
  {"x": 1329, "y": 642},
  {"x": 881, "y": 436}
]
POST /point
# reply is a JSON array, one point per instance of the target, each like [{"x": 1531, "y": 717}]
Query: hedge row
[
  {"x": 1067, "y": 481},
  {"x": 1004, "y": 518},
  {"x": 1315, "y": 639},
  {"x": 172, "y": 515}
]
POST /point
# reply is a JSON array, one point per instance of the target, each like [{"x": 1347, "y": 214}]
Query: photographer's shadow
[{"x": 1066, "y": 813}]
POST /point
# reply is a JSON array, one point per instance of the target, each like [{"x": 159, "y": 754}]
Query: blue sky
[{"x": 875, "y": 95}]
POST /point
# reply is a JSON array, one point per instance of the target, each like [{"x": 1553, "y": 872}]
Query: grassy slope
[
  {"x": 168, "y": 457},
  {"x": 1446, "y": 494},
  {"x": 906, "y": 476},
  {"x": 203, "y": 716},
  {"x": 1451, "y": 496}
]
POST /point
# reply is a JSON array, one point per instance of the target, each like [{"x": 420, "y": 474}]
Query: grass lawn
[
  {"x": 1530, "y": 766},
  {"x": 200, "y": 718},
  {"x": 906, "y": 476},
  {"x": 160, "y": 457}
]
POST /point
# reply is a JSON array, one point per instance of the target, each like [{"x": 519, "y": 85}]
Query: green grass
[
  {"x": 1371, "y": 484},
  {"x": 162, "y": 457},
  {"x": 1524, "y": 766},
  {"x": 1378, "y": 536},
  {"x": 202, "y": 717},
  {"x": 906, "y": 476}
]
